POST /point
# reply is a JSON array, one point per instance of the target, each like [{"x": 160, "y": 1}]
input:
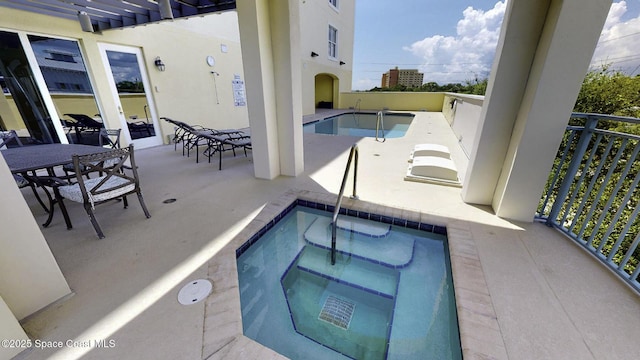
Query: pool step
[
  {"x": 360, "y": 274},
  {"x": 364, "y": 227},
  {"x": 393, "y": 249}
]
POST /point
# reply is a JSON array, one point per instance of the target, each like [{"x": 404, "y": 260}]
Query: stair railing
[
  {"x": 353, "y": 155},
  {"x": 380, "y": 126}
]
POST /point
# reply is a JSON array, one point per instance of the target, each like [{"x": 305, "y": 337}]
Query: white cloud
[
  {"x": 465, "y": 56},
  {"x": 365, "y": 84},
  {"x": 619, "y": 41}
]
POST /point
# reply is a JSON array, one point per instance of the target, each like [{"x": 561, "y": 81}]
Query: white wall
[
  {"x": 31, "y": 278},
  {"x": 10, "y": 330},
  {"x": 464, "y": 117},
  {"x": 316, "y": 17}
]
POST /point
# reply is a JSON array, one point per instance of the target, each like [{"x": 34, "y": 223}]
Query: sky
[{"x": 455, "y": 41}]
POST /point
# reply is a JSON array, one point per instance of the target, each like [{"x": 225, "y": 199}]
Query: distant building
[{"x": 406, "y": 77}]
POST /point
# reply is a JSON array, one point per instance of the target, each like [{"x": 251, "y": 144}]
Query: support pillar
[
  {"x": 270, "y": 38},
  {"x": 543, "y": 54}
]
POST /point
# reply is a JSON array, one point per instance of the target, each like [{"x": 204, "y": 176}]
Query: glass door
[
  {"x": 130, "y": 86},
  {"x": 22, "y": 104},
  {"x": 43, "y": 81}
]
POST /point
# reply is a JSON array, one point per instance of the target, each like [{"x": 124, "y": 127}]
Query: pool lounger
[
  {"x": 433, "y": 169},
  {"x": 430, "y": 150}
]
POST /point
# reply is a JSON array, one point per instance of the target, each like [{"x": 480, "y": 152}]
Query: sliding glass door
[
  {"x": 22, "y": 107},
  {"x": 43, "y": 80}
]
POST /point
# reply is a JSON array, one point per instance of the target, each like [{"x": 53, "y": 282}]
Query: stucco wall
[
  {"x": 463, "y": 114},
  {"x": 186, "y": 90},
  {"x": 412, "y": 101},
  {"x": 319, "y": 15}
]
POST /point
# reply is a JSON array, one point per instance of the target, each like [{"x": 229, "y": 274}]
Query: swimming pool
[
  {"x": 389, "y": 296},
  {"x": 361, "y": 124}
]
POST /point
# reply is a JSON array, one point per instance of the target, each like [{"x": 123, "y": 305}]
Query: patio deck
[{"x": 527, "y": 292}]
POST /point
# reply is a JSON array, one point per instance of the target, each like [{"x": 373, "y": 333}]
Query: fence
[{"x": 592, "y": 193}]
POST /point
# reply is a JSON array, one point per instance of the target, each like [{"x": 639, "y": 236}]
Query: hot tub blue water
[
  {"x": 362, "y": 125},
  {"x": 389, "y": 295}
]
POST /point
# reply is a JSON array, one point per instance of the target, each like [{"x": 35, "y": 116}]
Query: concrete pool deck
[{"x": 526, "y": 292}]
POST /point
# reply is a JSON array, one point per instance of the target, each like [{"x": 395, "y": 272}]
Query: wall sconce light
[
  {"x": 159, "y": 64},
  {"x": 314, "y": 54},
  {"x": 85, "y": 21},
  {"x": 342, "y": 62}
]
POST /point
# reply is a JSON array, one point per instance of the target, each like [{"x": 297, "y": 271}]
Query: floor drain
[
  {"x": 194, "y": 291},
  {"x": 337, "y": 312},
  {"x": 169, "y": 201}
]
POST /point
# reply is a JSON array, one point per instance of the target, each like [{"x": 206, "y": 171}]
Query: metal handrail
[
  {"x": 356, "y": 108},
  {"x": 380, "y": 120},
  {"x": 589, "y": 193},
  {"x": 352, "y": 154}
]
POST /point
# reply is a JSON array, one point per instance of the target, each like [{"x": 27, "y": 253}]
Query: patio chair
[
  {"x": 9, "y": 136},
  {"x": 188, "y": 135},
  {"x": 23, "y": 180},
  {"x": 108, "y": 138},
  {"x": 113, "y": 184},
  {"x": 219, "y": 143}
]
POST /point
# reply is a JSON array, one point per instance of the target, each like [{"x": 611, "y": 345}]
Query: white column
[
  {"x": 543, "y": 54},
  {"x": 31, "y": 278},
  {"x": 270, "y": 40},
  {"x": 10, "y": 330}
]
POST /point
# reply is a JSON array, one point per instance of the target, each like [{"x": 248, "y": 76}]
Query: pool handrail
[
  {"x": 380, "y": 120},
  {"x": 352, "y": 154}
]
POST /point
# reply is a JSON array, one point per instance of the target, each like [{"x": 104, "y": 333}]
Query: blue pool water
[
  {"x": 389, "y": 295},
  {"x": 362, "y": 125}
]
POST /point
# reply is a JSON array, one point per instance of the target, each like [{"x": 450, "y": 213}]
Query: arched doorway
[{"x": 326, "y": 91}]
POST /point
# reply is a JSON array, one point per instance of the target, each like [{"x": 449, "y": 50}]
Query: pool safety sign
[{"x": 239, "y": 98}]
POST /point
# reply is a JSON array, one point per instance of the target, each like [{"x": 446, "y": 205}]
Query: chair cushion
[{"x": 73, "y": 192}]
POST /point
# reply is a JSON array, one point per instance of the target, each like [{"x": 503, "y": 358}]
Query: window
[
  {"x": 333, "y": 42},
  {"x": 334, "y": 3}
]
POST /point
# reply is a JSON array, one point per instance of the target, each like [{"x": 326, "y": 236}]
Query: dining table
[{"x": 28, "y": 160}]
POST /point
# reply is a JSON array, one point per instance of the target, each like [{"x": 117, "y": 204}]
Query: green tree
[{"x": 611, "y": 92}]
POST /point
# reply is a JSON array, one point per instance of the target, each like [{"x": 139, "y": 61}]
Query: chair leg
[
  {"x": 63, "y": 209},
  {"x": 220, "y": 157},
  {"x": 142, "y": 204},
  {"x": 125, "y": 201},
  {"x": 93, "y": 220}
]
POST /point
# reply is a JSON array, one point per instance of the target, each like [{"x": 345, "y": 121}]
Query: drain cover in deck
[
  {"x": 194, "y": 292},
  {"x": 337, "y": 312}
]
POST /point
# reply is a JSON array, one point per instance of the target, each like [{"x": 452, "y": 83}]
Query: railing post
[
  {"x": 572, "y": 170},
  {"x": 353, "y": 155}
]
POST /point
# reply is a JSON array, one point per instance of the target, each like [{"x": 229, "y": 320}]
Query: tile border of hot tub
[{"x": 480, "y": 333}]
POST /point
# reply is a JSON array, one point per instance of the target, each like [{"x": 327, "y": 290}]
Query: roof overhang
[{"x": 114, "y": 14}]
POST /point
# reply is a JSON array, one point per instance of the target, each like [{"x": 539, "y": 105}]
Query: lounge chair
[
  {"x": 219, "y": 143},
  {"x": 193, "y": 136},
  {"x": 83, "y": 123}
]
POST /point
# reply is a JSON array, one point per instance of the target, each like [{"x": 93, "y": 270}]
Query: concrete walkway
[{"x": 527, "y": 292}]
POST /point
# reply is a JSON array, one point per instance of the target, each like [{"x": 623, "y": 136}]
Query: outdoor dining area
[
  {"x": 85, "y": 174},
  {"x": 93, "y": 168}
]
